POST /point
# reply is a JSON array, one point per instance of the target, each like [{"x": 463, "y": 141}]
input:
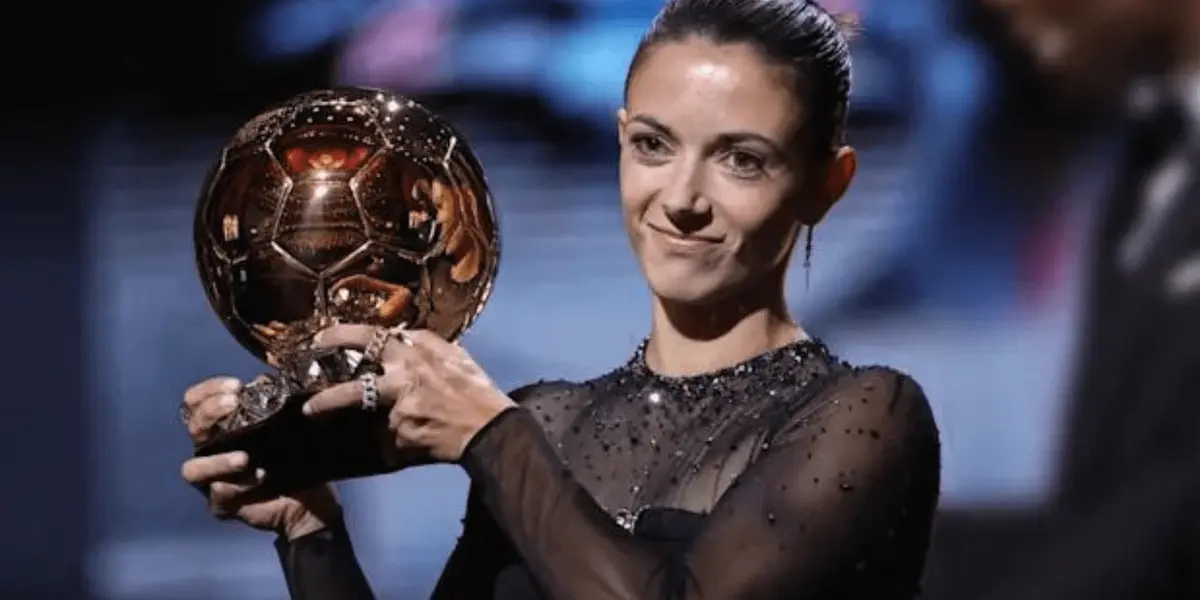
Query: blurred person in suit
[{"x": 1123, "y": 523}]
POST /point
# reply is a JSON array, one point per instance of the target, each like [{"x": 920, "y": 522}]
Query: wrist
[
  {"x": 478, "y": 433},
  {"x": 491, "y": 411},
  {"x": 496, "y": 407},
  {"x": 306, "y": 525},
  {"x": 308, "y": 512}
]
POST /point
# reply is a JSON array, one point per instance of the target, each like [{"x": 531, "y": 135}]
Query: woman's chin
[{"x": 691, "y": 292}]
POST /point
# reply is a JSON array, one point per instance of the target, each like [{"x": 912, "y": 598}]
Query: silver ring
[
  {"x": 185, "y": 413},
  {"x": 374, "y": 348},
  {"x": 401, "y": 335},
  {"x": 370, "y": 392}
]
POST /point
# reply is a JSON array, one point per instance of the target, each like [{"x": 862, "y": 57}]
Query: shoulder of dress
[
  {"x": 864, "y": 400},
  {"x": 554, "y": 404},
  {"x": 543, "y": 390},
  {"x": 868, "y": 377},
  {"x": 885, "y": 393},
  {"x": 879, "y": 382},
  {"x": 882, "y": 388}
]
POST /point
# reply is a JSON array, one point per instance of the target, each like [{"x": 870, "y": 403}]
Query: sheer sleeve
[
  {"x": 483, "y": 550},
  {"x": 481, "y": 554},
  {"x": 322, "y": 566},
  {"x": 845, "y": 491}
]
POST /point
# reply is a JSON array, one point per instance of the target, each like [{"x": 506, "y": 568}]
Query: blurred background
[{"x": 956, "y": 256}]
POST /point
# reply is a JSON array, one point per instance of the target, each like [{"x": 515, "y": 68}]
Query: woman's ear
[
  {"x": 831, "y": 184},
  {"x": 841, "y": 173}
]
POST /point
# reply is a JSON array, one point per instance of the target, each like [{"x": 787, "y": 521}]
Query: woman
[{"x": 732, "y": 456}]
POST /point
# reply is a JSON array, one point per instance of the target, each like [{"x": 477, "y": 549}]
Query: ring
[
  {"x": 401, "y": 335},
  {"x": 185, "y": 413},
  {"x": 370, "y": 392},
  {"x": 374, "y": 348}
]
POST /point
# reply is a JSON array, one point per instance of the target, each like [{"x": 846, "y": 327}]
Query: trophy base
[{"x": 295, "y": 451}]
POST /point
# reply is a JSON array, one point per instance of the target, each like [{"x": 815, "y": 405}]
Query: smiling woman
[{"x": 732, "y": 456}]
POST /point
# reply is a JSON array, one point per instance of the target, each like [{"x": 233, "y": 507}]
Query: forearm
[
  {"x": 322, "y": 565},
  {"x": 571, "y": 547}
]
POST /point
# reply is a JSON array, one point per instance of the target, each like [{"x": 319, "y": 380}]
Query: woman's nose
[
  {"x": 685, "y": 193},
  {"x": 684, "y": 203}
]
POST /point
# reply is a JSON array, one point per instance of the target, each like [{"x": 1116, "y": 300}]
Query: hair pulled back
[{"x": 797, "y": 34}]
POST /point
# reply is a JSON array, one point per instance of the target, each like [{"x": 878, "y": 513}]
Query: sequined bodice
[{"x": 636, "y": 439}]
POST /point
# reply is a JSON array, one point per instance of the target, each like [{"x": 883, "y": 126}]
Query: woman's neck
[{"x": 694, "y": 340}]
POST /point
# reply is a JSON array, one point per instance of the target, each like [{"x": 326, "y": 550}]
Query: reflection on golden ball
[{"x": 351, "y": 206}]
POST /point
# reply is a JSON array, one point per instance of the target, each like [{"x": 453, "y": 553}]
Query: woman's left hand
[{"x": 436, "y": 396}]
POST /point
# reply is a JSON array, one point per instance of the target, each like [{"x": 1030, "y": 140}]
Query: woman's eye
[
  {"x": 648, "y": 144},
  {"x": 745, "y": 163}
]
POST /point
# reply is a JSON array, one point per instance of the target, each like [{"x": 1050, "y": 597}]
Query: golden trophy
[{"x": 338, "y": 206}]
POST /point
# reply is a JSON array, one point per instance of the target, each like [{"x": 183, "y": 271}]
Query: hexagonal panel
[
  {"x": 397, "y": 208},
  {"x": 239, "y": 211}
]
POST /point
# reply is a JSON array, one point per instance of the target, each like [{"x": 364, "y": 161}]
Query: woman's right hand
[{"x": 232, "y": 490}]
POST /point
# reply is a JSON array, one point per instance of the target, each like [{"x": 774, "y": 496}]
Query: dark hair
[{"x": 799, "y": 34}]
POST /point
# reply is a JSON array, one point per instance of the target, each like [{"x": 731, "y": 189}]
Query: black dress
[{"x": 791, "y": 475}]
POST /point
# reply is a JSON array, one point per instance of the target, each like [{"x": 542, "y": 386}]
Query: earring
[{"x": 808, "y": 250}]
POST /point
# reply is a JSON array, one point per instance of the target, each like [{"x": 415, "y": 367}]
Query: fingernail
[
  {"x": 316, "y": 339},
  {"x": 239, "y": 460},
  {"x": 229, "y": 402},
  {"x": 231, "y": 385},
  {"x": 307, "y": 408}
]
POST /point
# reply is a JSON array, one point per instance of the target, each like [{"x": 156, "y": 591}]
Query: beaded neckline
[{"x": 801, "y": 350}]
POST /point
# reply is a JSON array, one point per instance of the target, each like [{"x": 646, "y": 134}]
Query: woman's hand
[
  {"x": 436, "y": 396},
  {"x": 231, "y": 489}
]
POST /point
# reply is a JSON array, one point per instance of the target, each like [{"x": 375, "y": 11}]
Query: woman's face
[{"x": 714, "y": 186}]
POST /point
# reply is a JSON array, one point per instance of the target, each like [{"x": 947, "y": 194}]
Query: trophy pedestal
[{"x": 297, "y": 451}]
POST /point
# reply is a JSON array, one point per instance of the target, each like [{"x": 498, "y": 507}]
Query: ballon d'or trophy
[{"x": 337, "y": 206}]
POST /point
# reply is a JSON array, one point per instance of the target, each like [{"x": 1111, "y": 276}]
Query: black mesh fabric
[{"x": 791, "y": 475}]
